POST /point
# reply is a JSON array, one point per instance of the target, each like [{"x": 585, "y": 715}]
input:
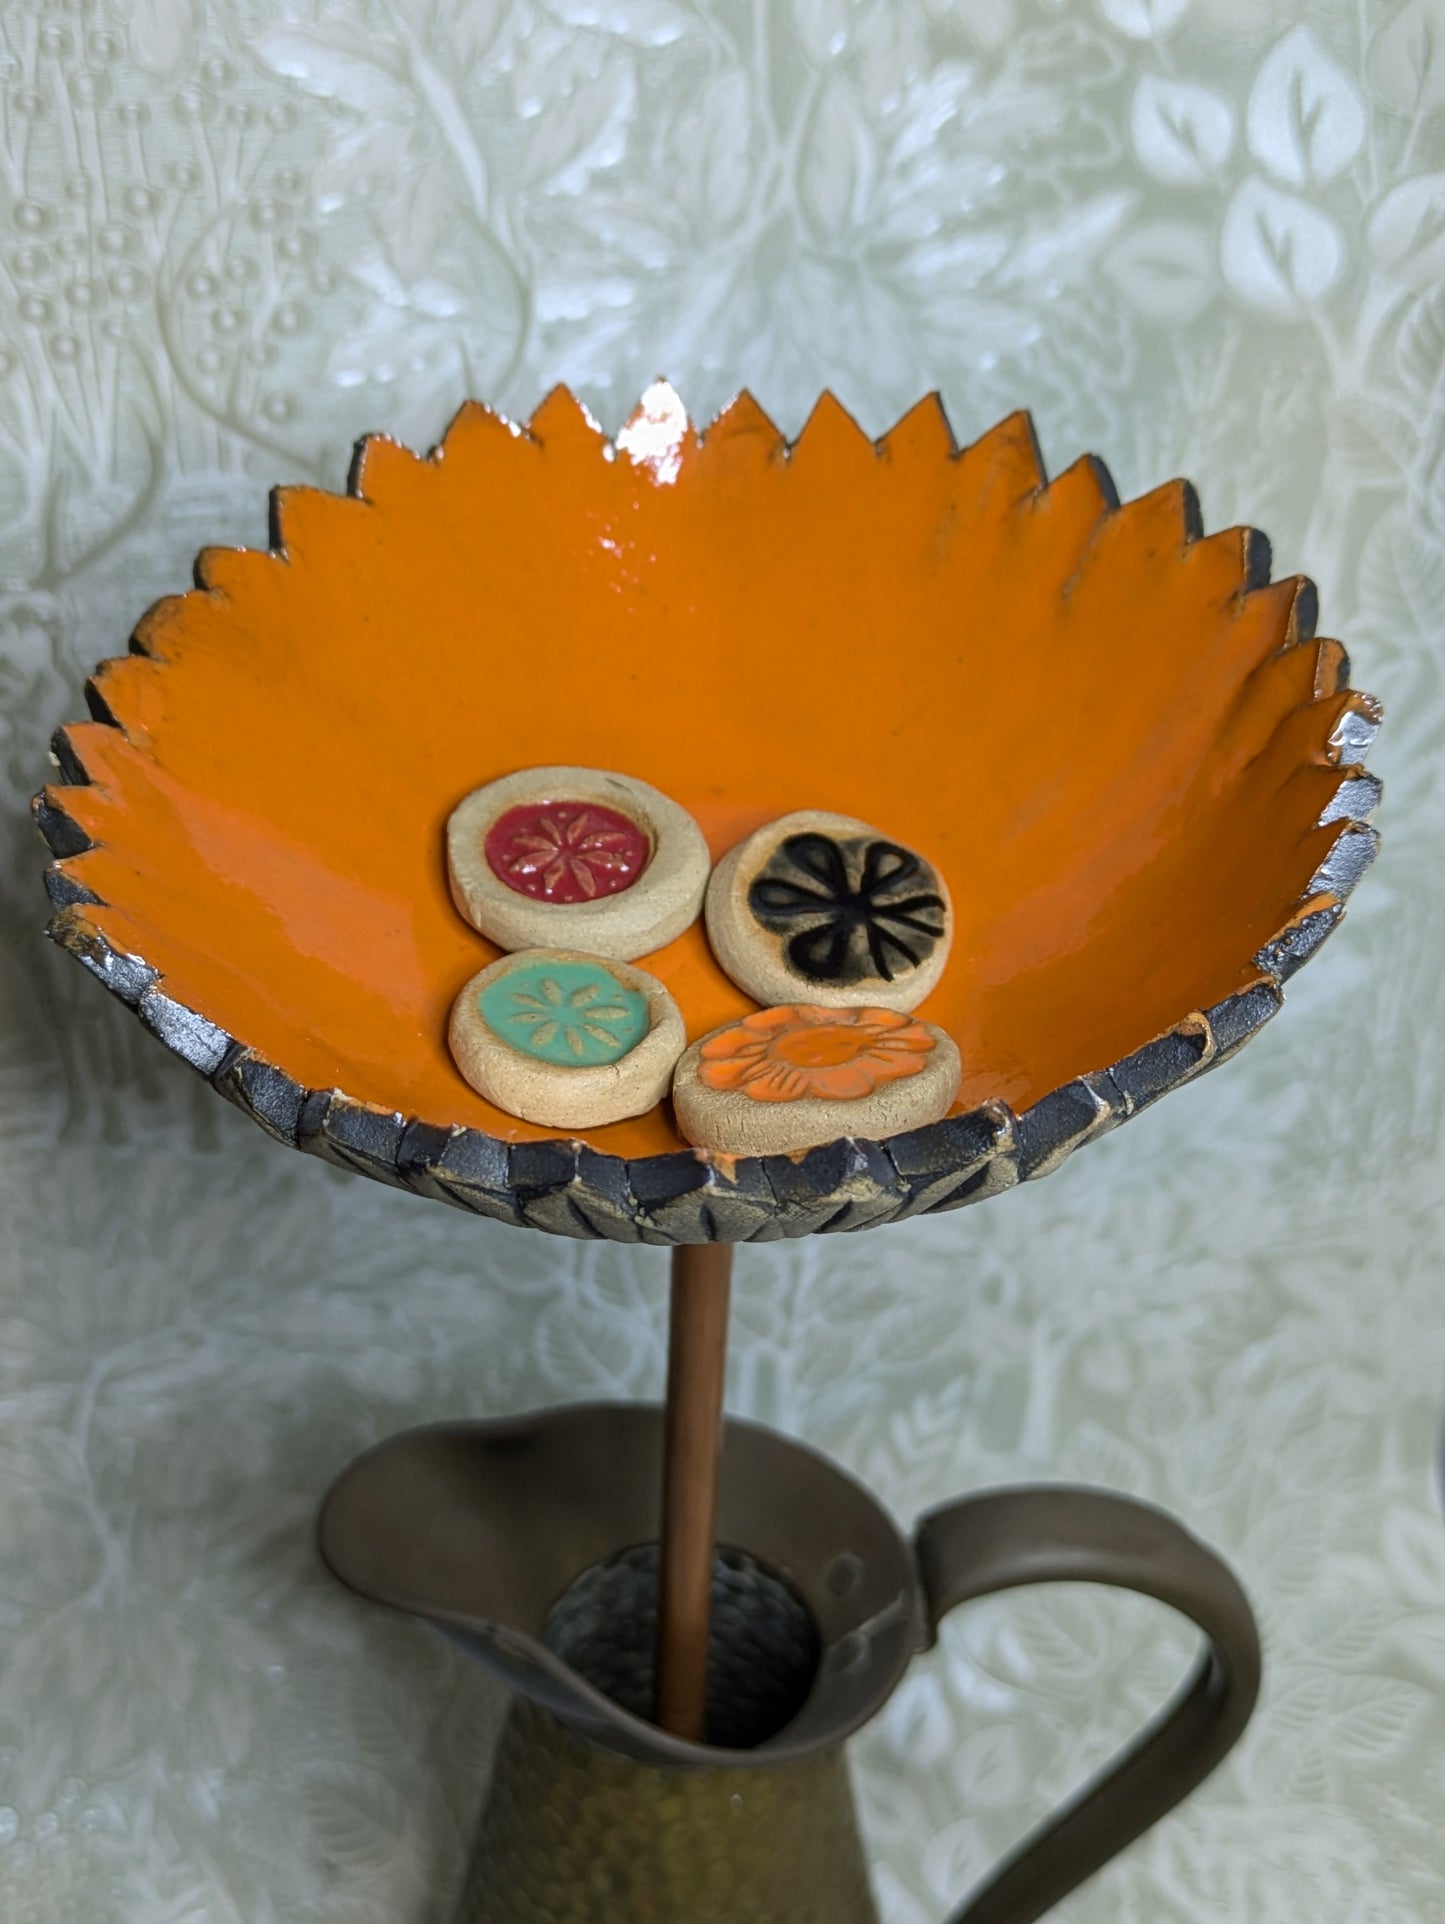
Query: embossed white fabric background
[{"x": 1202, "y": 236}]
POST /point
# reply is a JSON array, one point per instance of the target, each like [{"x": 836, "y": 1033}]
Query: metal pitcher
[{"x": 532, "y": 1541}]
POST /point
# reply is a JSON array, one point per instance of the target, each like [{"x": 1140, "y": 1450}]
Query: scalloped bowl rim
[{"x": 684, "y": 1196}]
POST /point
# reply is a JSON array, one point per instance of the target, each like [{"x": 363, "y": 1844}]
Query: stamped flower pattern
[
  {"x": 849, "y": 908},
  {"x": 576, "y": 1014},
  {"x": 798, "y": 1051},
  {"x": 566, "y": 851}
]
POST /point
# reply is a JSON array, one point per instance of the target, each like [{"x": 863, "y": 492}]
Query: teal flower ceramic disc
[{"x": 575, "y": 1014}]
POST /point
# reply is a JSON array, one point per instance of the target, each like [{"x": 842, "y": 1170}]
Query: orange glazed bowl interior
[{"x": 1120, "y": 743}]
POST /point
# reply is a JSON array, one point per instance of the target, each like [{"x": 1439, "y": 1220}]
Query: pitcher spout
[{"x": 532, "y": 1541}]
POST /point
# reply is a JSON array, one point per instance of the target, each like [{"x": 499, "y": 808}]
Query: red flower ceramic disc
[
  {"x": 576, "y": 858},
  {"x": 567, "y": 851}
]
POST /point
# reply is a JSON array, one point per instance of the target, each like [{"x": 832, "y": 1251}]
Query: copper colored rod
[{"x": 696, "y": 1357}]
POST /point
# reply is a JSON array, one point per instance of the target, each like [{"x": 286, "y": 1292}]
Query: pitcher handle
[{"x": 1004, "y": 1539}]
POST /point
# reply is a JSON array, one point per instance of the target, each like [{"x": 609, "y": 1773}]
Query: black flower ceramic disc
[
  {"x": 850, "y": 909},
  {"x": 821, "y": 908}
]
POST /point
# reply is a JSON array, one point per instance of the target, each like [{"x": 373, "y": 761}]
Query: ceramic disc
[
  {"x": 822, "y": 908},
  {"x": 566, "y": 1039},
  {"x": 796, "y": 1076},
  {"x": 577, "y": 858}
]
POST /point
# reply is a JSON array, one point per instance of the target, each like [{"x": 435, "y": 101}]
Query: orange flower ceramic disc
[
  {"x": 793, "y": 1077},
  {"x": 1118, "y": 741}
]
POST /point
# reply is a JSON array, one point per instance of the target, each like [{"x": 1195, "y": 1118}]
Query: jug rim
[{"x": 547, "y": 1495}]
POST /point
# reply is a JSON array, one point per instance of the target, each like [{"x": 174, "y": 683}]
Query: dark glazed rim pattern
[{"x": 690, "y": 1196}]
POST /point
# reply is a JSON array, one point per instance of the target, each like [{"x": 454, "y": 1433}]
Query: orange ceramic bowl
[{"x": 1122, "y": 745}]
